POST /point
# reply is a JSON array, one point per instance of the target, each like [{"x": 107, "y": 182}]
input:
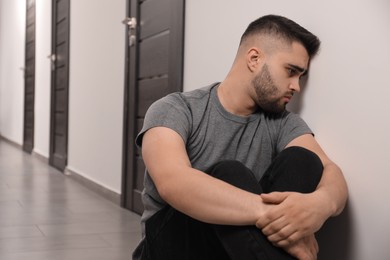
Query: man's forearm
[
  {"x": 334, "y": 188},
  {"x": 211, "y": 200}
]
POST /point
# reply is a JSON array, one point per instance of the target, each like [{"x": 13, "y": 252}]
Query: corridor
[{"x": 45, "y": 215}]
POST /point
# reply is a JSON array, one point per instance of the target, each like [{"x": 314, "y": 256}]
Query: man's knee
[
  {"x": 236, "y": 174},
  {"x": 225, "y": 167},
  {"x": 294, "y": 169},
  {"x": 301, "y": 157}
]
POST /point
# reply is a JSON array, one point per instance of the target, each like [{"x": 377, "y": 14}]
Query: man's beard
[{"x": 268, "y": 96}]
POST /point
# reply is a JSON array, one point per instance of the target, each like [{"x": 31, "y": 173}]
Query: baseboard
[
  {"x": 99, "y": 189},
  {"x": 40, "y": 157},
  {"x": 19, "y": 146},
  {"x": 15, "y": 144}
]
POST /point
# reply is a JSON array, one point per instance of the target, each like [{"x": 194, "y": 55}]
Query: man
[{"x": 230, "y": 173}]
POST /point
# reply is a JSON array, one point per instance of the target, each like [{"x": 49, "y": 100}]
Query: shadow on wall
[
  {"x": 296, "y": 104},
  {"x": 336, "y": 237}
]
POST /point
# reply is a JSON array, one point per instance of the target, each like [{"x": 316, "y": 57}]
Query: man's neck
[{"x": 235, "y": 99}]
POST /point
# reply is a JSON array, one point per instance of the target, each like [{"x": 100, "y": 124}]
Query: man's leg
[
  {"x": 244, "y": 242},
  {"x": 294, "y": 169},
  {"x": 173, "y": 235}
]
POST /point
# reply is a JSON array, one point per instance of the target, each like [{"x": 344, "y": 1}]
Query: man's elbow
[
  {"x": 166, "y": 188},
  {"x": 165, "y": 191},
  {"x": 343, "y": 194}
]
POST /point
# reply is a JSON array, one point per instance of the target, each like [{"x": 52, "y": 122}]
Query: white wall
[
  {"x": 12, "y": 36},
  {"x": 345, "y": 101},
  {"x": 42, "y": 77},
  {"x": 97, "y": 59}
]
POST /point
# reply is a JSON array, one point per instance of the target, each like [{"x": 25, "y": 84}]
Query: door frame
[
  {"x": 129, "y": 111},
  {"x": 29, "y": 71},
  {"x": 130, "y": 100},
  {"x": 54, "y": 58}
]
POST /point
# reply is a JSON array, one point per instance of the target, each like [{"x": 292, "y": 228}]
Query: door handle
[
  {"x": 131, "y": 22},
  {"x": 52, "y": 58}
]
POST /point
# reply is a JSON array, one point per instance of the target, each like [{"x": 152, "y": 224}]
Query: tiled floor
[{"x": 46, "y": 216}]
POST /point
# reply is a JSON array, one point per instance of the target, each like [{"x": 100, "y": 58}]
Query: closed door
[
  {"x": 59, "y": 84},
  {"x": 154, "y": 58},
  {"x": 29, "y": 78}
]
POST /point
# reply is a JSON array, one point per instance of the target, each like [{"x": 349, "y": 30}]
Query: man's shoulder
[
  {"x": 190, "y": 98},
  {"x": 200, "y": 93}
]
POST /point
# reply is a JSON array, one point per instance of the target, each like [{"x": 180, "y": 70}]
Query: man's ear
[{"x": 254, "y": 58}]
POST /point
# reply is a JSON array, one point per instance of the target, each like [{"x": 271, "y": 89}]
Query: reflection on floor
[{"x": 46, "y": 216}]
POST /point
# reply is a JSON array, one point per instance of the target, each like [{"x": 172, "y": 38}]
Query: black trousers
[{"x": 172, "y": 235}]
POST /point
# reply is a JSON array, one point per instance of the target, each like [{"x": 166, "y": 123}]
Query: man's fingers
[
  {"x": 284, "y": 237},
  {"x": 270, "y": 216},
  {"x": 275, "y": 227},
  {"x": 274, "y": 197}
]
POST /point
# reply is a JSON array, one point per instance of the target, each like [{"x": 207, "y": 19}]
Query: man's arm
[
  {"x": 298, "y": 215},
  {"x": 191, "y": 191},
  {"x": 332, "y": 182}
]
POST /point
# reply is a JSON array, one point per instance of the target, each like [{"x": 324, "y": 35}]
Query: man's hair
[{"x": 285, "y": 29}]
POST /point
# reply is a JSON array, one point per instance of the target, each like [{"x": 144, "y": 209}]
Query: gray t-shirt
[{"x": 212, "y": 134}]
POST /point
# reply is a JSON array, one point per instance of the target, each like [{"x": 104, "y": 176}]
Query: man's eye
[{"x": 291, "y": 72}]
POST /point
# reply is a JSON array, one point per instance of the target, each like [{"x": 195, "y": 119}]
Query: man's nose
[{"x": 294, "y": 85}]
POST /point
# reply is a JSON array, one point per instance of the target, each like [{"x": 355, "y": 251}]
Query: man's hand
[
  {"x": 292, "y": 217},
  {"x": 304, "y": 249}
]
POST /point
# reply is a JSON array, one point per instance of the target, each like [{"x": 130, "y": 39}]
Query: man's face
[{"x": 278, "y": 79}]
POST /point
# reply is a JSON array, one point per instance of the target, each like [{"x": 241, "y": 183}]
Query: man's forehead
[{"x": 296, "y": 56}]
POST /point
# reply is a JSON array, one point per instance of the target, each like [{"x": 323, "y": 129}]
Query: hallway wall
[
  {"x": 345, "y": 101},
  {"x": 42, "y": 77},
  {"x": 12, "y": 35},
  {"x": 96, "y": 81}
]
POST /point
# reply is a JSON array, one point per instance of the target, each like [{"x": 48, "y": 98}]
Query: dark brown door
[
  {"x": 29, "y": 78},
  {"x": 59, "y": 84},
  {"x": 154, "y": 68}
]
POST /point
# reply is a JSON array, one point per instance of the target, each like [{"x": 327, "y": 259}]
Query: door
[
  {"x": 59, "y": 84},
  {"x": 29, "y": 78},
  {"x": 154, "y": 65}
]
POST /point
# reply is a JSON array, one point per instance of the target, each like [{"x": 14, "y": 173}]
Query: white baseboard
[
  {"x": 99, "y": 189},
  {"x": 15, "y": 144}
]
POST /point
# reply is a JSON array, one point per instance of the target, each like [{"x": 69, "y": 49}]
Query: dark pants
[{"x": 172, "y": 235}]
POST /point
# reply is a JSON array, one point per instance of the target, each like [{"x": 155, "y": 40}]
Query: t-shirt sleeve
[
  {"x": 292, "y": 126},
  {"x": 171, "y": 112}
]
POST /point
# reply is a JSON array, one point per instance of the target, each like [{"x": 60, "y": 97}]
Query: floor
[{"x": 46, "y": 216}]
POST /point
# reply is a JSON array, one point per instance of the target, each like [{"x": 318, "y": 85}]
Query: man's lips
[{"x": 287, "y": 98}]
